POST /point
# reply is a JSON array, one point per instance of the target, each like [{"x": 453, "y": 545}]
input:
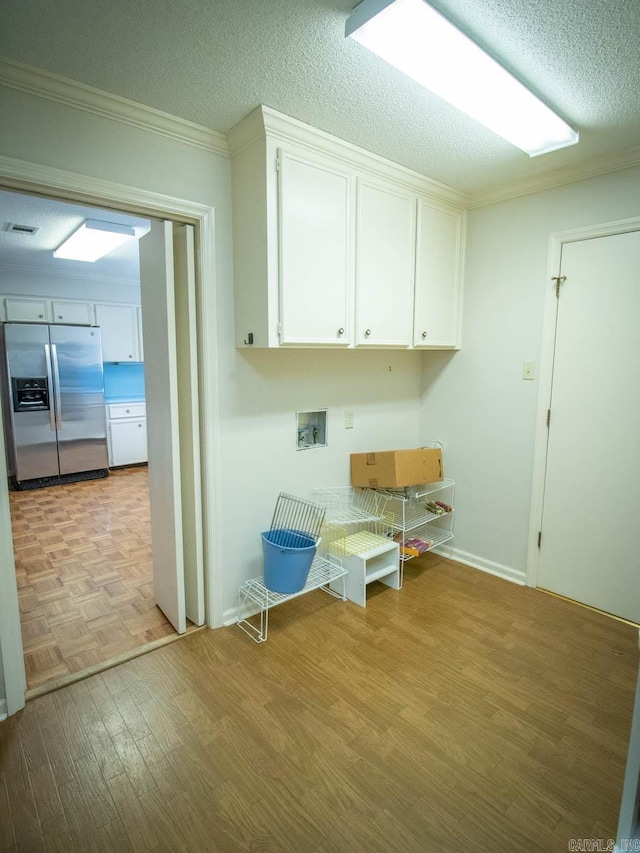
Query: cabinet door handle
[
  {"x": 424, "y": 334},
  {"x": 341, "y": 331},
  {"x": 367, "y": 333}
]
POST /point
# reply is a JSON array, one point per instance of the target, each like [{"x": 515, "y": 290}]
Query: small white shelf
[
  {"x": 324, "y": 570},
  {"x": 369, "y": 557}
]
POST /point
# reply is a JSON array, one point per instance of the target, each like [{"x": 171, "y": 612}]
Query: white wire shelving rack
[
  {"x": 346, "y": 506},
  {"x": 253, "y": 595},
  {"x": 410, "y": 515}
]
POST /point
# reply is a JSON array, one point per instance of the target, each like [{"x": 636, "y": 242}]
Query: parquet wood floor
[
  {"x": 83, "y": 566},
  {"x": 459, "y": 713}
]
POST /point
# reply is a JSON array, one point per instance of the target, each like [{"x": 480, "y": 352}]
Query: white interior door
[
  {"x": 157, "y": 289},
  {"x": 590, "y": 543},
  {"x": 188, "y": 417}
]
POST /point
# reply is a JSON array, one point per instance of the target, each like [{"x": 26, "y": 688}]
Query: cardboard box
[{"x": 394, "y": 469}]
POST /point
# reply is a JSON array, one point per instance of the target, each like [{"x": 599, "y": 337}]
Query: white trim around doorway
[
  {"x": 20, "y": 175},
  {"x": 556, "y": 241}
]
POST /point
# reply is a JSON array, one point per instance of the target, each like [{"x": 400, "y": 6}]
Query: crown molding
[
  {"x": 557, "y": 178},
  {"x": 265, "y": 120},
  {"x": 44, "y": 84}
]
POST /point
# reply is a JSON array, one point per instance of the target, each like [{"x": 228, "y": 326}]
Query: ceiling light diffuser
[
  {"x": 94, "y": 240},
  {"x": 424, "y": 45}
]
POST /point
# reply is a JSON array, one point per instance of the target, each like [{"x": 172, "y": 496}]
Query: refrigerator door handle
[
  {"x": 47, "y": 361},
  {"x": 56, "y": 386}
]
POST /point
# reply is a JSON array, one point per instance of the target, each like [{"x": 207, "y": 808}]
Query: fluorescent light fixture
[
  {"x": 94, "y": 240},
  {"x": 424, "y": 45}
]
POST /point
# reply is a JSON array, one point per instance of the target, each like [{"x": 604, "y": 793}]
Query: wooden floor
[
  {"x": 83, "y": 565},
  {"x": 460, "y": 713}
]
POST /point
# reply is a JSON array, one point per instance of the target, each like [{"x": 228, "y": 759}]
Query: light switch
[
  {"x": 528, "y": 370},
  {"x": 348, "y": 419}
]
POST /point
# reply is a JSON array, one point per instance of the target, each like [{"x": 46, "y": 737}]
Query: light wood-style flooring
[
  {"x": 83, "y": 566},
  {"x": 459, "y": 713}
]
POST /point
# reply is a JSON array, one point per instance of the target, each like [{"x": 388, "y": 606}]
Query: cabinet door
[
  {"x": 438, "y": 278},
  {"x": 73, "y": 313},
  {"x": 315, "y": 252},
  {"x": 128, "y": 442},
  {"x": 27, "y": 311},
  {"x": 385, "y": 263},
  {"x": 119, "y": 325}
]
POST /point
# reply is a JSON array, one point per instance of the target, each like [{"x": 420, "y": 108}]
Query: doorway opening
[{"x": 82, "y": 550}]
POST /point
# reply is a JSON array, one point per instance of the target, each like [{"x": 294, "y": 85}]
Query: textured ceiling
[{"x": 213, "y": 61}]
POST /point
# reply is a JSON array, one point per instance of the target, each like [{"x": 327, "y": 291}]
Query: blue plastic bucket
[{"x": 288, "y": 555}]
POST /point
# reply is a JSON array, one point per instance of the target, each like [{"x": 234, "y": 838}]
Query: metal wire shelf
[
  {"x": 348, "y": 505},
  {"x": 437, "y": 536},
  {"x": 324, "y": 570}
]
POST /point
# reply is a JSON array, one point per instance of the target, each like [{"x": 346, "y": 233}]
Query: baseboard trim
[{"x": 488, "y": 566}]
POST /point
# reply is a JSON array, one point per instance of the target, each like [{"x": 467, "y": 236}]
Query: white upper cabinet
[
  {"x": 438, "y": 294},
  {"x": 26, "y": 311},
  {"x": 73, "y": 313},
  {"x": 325, "y": 242},
  {"x": 315, "y": 251},
  {"x": 119, "y": 332},
  {"x": 385, "y": 255}
]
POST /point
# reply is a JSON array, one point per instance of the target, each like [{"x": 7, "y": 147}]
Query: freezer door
[
  {"x": 32, "y": 440},
  {"x": 76, "y": 353}
]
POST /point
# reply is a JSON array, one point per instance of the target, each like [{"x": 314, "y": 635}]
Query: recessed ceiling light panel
[{"x": 94, "y": 240}]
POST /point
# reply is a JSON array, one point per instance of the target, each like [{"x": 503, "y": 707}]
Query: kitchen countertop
[{"x": 130, "y": 398}]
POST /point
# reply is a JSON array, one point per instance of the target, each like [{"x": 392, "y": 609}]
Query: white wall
[
  {"x": 261, "y": 392},
  {"x": 475, "y": 401}
]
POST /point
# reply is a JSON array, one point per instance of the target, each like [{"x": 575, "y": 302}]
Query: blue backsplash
[{"x": 123, "y": 381}]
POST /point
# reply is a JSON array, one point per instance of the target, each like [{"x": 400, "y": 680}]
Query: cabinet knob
[
  {"x": 60, "y": 317},
  {"x": 424, "y": 334},
  {"x": 130, "y": 356},
  {"x": 367, "y": 333},
  {"x": 40, "y": 316},
  {"x": 139, "y": 426},
  {"x": 127, "y": 411},
  {"x": 341, "y": 331}
]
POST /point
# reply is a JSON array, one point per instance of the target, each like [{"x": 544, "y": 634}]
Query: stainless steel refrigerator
[{"x": 53, "y": 396}]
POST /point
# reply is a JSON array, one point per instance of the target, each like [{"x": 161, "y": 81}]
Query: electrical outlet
[
  {"x": 528, "y": 370},
  {"x": 348, "y": 419}
]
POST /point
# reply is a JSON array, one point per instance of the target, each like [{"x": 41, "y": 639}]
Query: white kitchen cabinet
[
  {"x": 315, "y": 230},
  {"x": 127, "y": 434},
  {"x": 119, "y": 326},
  {"x": 27, "y": 310},
  {"x": 385, "y": 265},
  {"x": 438, "y": 290},
  {"x": 73, "y": 313}
]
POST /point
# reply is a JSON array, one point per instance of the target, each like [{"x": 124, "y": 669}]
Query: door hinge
[
  {"x": 277, "y": 164},
  {"x": 279, "y": 330},
  {"x": 539, "y": 538},
  {"x": 548, "y": 416},
  {"x": 559, "y": 279}
]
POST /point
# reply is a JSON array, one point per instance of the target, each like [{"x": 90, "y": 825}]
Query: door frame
[
  {"x": 556, "y": 242},
  {"x": 20, "y": 175}
]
